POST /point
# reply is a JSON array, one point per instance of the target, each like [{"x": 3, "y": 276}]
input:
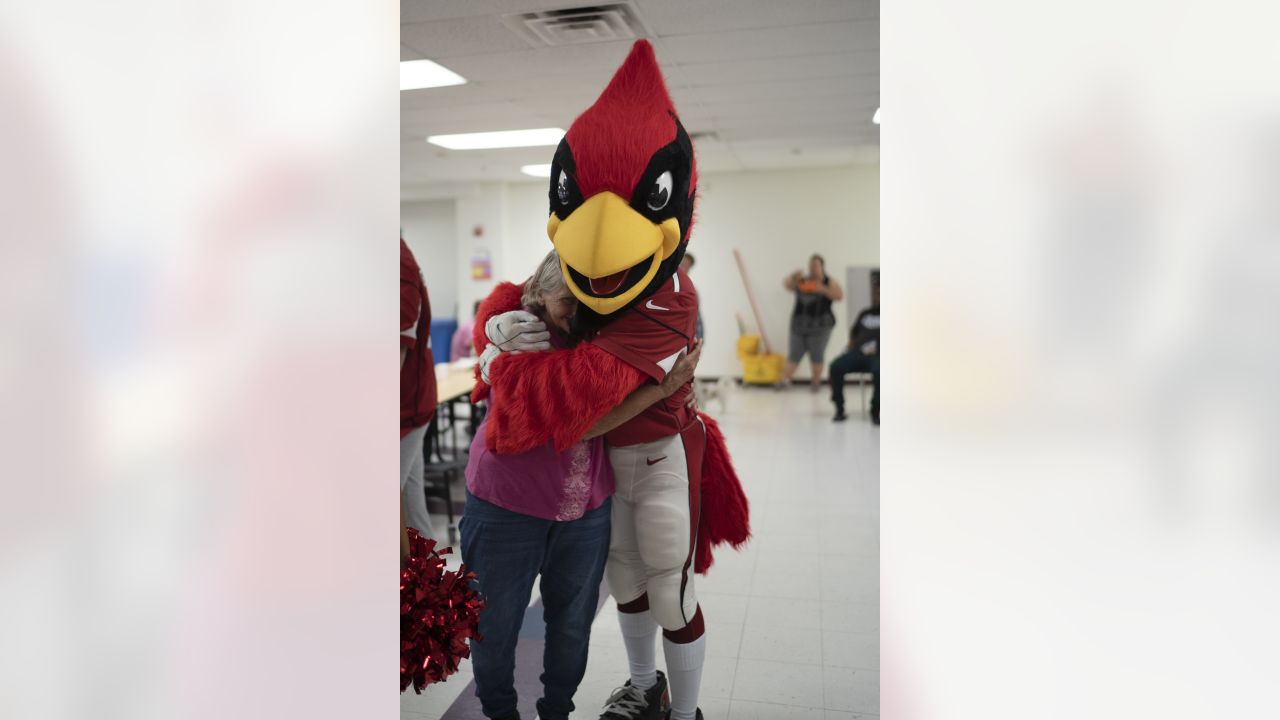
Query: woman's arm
[
  {"x": 833, "y": 291},
  {"x": 792, "y": 280},
  {"x": 639, "y": 400}
]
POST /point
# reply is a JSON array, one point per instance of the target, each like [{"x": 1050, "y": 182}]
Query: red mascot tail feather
[{"x": 725, "y": 512}]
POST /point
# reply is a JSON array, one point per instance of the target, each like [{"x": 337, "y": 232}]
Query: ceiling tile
[
  {"x": 805, "y": 67},
  {"x": 678, "y": 17},
  {"x": 461, "y": 36},
  {"x": 771, "y": 42},
  {"x": 777, "y": 90},
  {"x": 592, "y": 63},
  {"x": 413, "y": 11}
]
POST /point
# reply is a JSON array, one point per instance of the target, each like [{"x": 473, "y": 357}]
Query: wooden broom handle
[{"x": 742, "y": 270}]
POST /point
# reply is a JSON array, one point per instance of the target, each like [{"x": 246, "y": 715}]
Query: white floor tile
[
  {"x": 747, "y": 710},
  {"x": 856, "y": 691},
  {"x": 723, "y": 639},
  {"x": 718, "y": 677},
  {"x": 860, "y": 651},
  {"x": 794, "y": 564},
  {"x": 848, "y": 588},
  {"x": 714, "y": 708},
  {"x": 783, "y": 644},
  {"x": 782, "y": 612},
  {"x": 851, "y": 617},
  {"x": 859, "y": 568},
  {"x": 786, "y": 585},
  {"x": 841, "y": 715},
  {"x": 782, "y": 683},
  {"x": 731, "y": 569},
  {"x": 723, "y": 607},
  {"x": 792, "y": 540}
]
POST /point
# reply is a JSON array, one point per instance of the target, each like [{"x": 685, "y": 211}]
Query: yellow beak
[{"x": 605, "y": 236}]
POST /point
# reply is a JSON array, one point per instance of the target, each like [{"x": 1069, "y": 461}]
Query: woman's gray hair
[{"x": 546, "y": 280}]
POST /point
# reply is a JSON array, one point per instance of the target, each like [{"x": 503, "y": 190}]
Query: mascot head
[{"x": 622, "y": 191}]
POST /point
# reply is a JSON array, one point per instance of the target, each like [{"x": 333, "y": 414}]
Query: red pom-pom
[{"x": 439, "y": 612}]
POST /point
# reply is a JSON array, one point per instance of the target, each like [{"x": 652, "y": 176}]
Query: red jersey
[
  {"x": 650, "y": 337},
  {"x": 418, "y": 374}
]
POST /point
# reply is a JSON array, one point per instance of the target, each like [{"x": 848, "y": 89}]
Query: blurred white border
[
  {"x": 1081, "y": 486},
  {"x": 198, "y": 215}
]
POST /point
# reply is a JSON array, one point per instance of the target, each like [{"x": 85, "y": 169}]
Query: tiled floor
[{"x": 793, "y": 621}]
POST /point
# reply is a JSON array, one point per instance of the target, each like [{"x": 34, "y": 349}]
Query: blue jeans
[{"x": 506, "y": 550}]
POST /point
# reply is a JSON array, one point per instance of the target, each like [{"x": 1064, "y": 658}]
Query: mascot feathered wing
[{"x": 622, "y": 191}]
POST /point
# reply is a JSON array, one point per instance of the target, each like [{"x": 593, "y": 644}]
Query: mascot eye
[
  {"x": 562, "y": 188},
  {"x": 660, "y": 194}
]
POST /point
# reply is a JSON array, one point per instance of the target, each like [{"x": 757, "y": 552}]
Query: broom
[{"x": 742, "y": 270}]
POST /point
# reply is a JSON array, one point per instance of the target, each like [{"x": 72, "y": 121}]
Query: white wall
[
  {"x": 527, "y": 241},
  {"x": 428, "y": 230},
  {"x": 481, "y": 221},
  {"x": 776, "y": 218}
]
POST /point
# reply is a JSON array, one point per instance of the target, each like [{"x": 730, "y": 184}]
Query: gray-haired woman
[{"x": 543, "y": 513}]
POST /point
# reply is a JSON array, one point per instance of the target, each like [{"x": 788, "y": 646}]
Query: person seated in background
[
  {"x": 862, "y": 356},
  {"x": 686, "y": 264},
  {"x": 460, "y": 346}
]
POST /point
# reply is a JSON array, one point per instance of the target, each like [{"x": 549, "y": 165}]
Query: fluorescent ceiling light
[
  {"x": 500, "y": 139},
  {"x": 876, "y": 118},
  {"x": 538, "y": 171},
  {"x": 419, "y": 74}
]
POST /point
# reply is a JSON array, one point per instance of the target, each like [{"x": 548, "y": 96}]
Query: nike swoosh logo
[
  {"x": 651, "y": 306},
  {"x": 654, "y": 462}
]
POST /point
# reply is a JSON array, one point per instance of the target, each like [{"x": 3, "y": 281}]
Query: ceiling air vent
[{"x": 577, "y": 26}]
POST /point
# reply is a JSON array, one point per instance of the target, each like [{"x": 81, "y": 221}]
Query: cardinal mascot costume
[{"x": 622, "y": 191}]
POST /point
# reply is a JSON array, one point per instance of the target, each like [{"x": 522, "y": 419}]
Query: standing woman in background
[{"x": 811, "y": 320}]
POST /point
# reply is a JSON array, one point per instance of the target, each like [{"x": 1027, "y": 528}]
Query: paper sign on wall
[{"x": 481, "y": 265}]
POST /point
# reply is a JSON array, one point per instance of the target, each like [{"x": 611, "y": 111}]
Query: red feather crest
[{"x": 632, "y": 119}]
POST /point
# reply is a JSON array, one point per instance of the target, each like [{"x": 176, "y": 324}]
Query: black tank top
[{"x": 812, "y": 310}]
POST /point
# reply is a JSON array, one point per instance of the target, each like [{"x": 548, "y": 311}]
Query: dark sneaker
[
  {"x": 668, "y": 715},
  {"x": 840, "y": 416},
  {"x": 632, "y": 703}
]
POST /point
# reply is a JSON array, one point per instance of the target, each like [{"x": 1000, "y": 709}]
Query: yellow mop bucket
[{"x": 758, "y": 368}]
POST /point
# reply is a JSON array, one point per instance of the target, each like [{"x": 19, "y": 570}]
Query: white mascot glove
[
  {"x": 491, "y": 352},
  {"x": 518, "y": 331}
]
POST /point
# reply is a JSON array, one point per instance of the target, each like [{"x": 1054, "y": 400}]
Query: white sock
[
  {"x": 639, "y": 631},
  {"x": 684, "y": 675}
]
